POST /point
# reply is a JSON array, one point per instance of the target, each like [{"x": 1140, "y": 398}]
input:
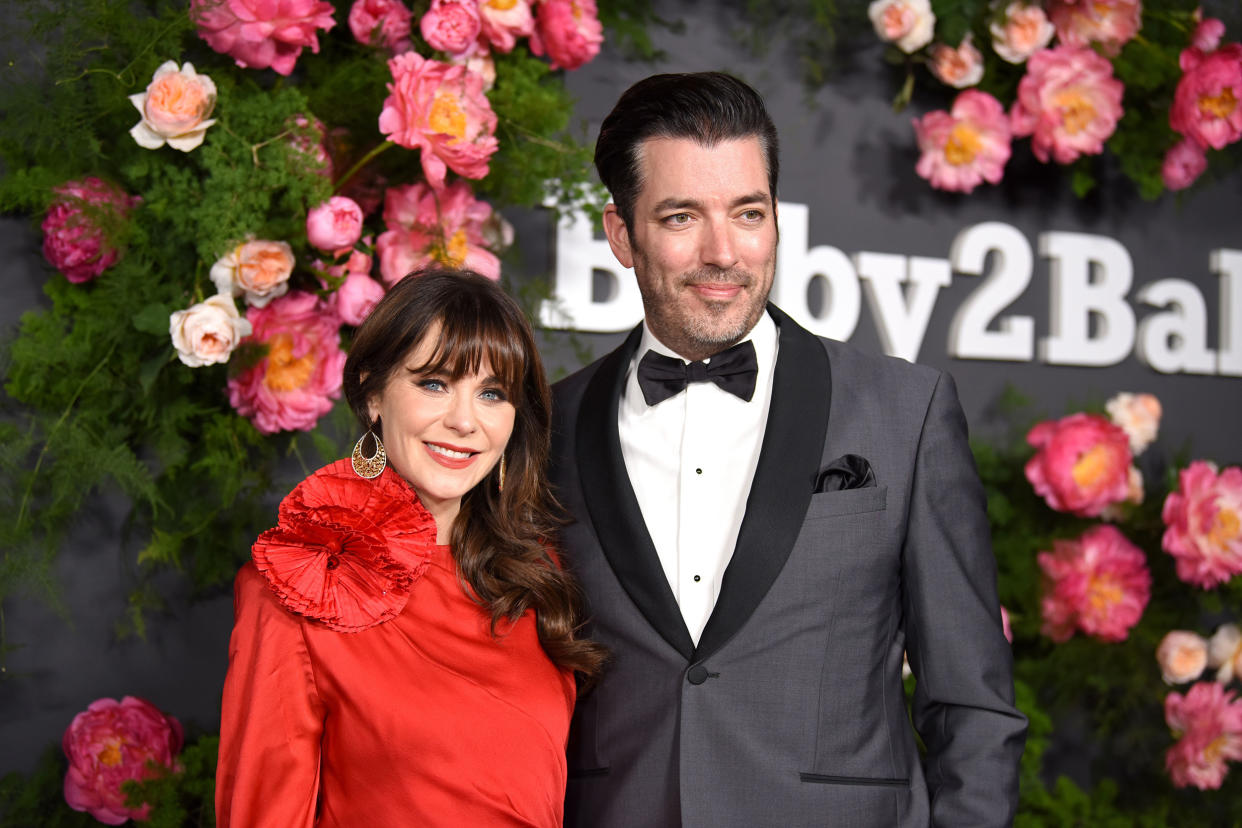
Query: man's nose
[{"x": 718, "y": 245}]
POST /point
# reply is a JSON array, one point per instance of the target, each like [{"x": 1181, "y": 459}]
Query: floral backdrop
[{"x": 225, "y": 188}]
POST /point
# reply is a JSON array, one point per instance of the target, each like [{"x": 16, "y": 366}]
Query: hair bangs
[{"x": 467, "y": 341}]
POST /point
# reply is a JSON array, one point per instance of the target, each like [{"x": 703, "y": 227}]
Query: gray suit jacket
[{"x": 790, "y": 710}]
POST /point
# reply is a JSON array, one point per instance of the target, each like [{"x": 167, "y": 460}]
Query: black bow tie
[{"x": 734, "y": 370}]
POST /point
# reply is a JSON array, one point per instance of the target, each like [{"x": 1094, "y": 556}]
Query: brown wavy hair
[{"x": 499, "y": 538}]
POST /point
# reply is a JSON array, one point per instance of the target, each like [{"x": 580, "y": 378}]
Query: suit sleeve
[
  {"x": 963, "y": 702},
  {"x": 271, "y": 719}
]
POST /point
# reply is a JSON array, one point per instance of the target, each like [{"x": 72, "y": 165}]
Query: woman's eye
[
  {"x": 493, "y": 394},
  {"x": 431, "y": 384}
]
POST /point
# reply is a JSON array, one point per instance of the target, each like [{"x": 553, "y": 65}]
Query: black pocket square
[{"x": 849, "y": 471}]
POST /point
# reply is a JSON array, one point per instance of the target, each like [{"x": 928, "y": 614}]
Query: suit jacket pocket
[
  {"x": 847, "y": 502},
  {"x": 872, "y": 781}
]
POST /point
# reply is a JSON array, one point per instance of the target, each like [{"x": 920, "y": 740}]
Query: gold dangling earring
[
  {"x": 371, "y": 467},
  {"x": 500, "y": 481}
]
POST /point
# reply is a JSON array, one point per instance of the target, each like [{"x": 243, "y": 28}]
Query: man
[{"x": 761, "y": 537}]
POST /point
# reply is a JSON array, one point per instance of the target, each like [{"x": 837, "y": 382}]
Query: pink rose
[
  {"x": 449, "y": 228},
  {"x": 1203, "y": 524},
  {"x": 1138, "y": 415},
  {"x": 1206, "y": 102},
  {"x": 504, "y": 21},
  {"x": 295, "y": 382},
  {"x": 451, "y": 26},
  {"x": 259, "y": 270},
  {"x": 262, "y": 33},
  {"x": 1082, "y": 463},
  {"x": 1183, "y": 164},
  {"x": 381, "y": 23},
  {"x": 335, "y": 225},
  {"x": 1098, "y": 584},
  {"x": 960, "y": 67},
  {"x": 568, "y": 31},
  {"x": 1208, "y": 724},
  {"x": 1225, "y": 652},
  {"x": 1020, "y": 32},
  {"x": 1110, "y": 23},
  {"x": 111, "y": 743},
  {"x": 176, "y": 108},
  {"x": 354, "y": 300},
  {"x": 206, "y": 333},
  {"x": 358, "y": 262},
  {"x": 1182, "y": 656},
  {"x": 440, "y": 109},
  {"x": 1069, "y": 102},
  {"x": 965, "y": 146},
  {"x": 80, "y": 223},
  {"x": 1005, "y": 627},
  {"x": 907, "y": 23}
]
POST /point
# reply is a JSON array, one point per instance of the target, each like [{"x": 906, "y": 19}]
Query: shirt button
[
  {"x": 696, "y": 674},
  {"x": 698, "y": 471},
  {"x": 697, "y": 579}
]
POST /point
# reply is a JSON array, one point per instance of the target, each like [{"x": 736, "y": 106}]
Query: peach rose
[
  {"x": 258, "y": 269},
  {"x": 1225, "y": 652},
  {"x": 907, "y": 23},
  {"x": 176, "y": 108},
  {"x": 960, "y": 67},
  {"x": 1182, "y": 656},
  {"x": 1020, "y": 32},
  {"x": 207, "y": 332},
  {"x": 1138, "y": 415}
]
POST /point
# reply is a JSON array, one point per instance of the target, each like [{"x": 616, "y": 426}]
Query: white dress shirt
[{"x": 691, "y": 460}]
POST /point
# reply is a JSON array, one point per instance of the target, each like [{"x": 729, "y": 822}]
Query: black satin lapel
[
  {"x": 793, "y": 443},
  {"x": 610, "y": 500}
]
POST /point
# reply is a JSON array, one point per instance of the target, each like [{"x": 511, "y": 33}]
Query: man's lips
[
  {"x": 450, "y": 456},
  {"x": 716, "y": 290}
]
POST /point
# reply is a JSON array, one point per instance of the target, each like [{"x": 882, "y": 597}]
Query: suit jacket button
[{"x": 696, "y": 674}]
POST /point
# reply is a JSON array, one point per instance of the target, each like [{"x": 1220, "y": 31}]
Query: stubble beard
[{"x": 712, "y": 327}]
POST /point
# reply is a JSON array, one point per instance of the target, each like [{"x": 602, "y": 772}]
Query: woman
[{"x": 404, "y": 647}]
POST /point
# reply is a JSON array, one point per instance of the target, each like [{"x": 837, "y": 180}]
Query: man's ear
[{"x": 618, "y": 235}]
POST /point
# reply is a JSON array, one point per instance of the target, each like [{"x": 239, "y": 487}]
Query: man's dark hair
[{"x": 707, "y": 107}]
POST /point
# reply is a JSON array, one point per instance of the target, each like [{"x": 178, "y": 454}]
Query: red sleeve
[{"x": 271, "y": 721}]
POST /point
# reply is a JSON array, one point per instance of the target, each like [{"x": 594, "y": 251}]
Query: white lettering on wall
[
  {"x": 970, "y": 336},
  {"x": 1091, "y": 317},
  {"x": 1090, "y": 276}
]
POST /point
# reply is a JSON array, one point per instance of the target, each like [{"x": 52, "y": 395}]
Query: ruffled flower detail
[{"x": 346, "y": 551}]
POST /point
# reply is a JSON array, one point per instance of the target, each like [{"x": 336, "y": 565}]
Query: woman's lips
[{"x": 449, "y": 456}]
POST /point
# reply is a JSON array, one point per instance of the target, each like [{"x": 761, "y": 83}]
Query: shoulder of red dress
[{"x": 345, "y": 550}]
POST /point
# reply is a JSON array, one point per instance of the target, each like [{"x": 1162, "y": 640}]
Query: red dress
[{"x": 366, "y": 688}]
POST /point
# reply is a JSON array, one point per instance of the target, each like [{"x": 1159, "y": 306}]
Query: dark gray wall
[{"x": 847, "y": 156}]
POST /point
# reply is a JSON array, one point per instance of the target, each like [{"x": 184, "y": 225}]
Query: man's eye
[
  {"x": 677, "y": 219},
  {"x": 753, "y": 215}
]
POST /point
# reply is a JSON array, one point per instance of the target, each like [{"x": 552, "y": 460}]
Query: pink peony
[
  {"x": 1138, "y": 415},
  {"x": 1069, "y": 102},
  {"x": 1208, "y": 724},
  {"x": 451, "y": 26},
  {"x": 176, "y": 108},
  {"x": 308, "y": 136},
  {"x": 1206, "y": 105},
  {"x": 1021, "y": 31},
  {"x": 262, "y": 33},
  {"x": 259, "y": 270},
  {"x": 960, "y": 67},
  {"x": 335, "y": 225},
  {"x": 440, "y": 109},
  {"x": 111, "y": 743},
  {"x": 1182, "y": 656},
  {"x": 1203, "y": 524},
  {"x": 907, "y": 23},
  {"x": 424, "y": 227},
  {"x": 504, "y": 21},
  {"x": 82, "y": 219},
  {"x": 1082, "y": 463},
  {"x": 357, "y": 296},
  {"x": 1098, "y": 584},
  {"x": 568, "y": 31},
  {"x": 1207, "y": 35},
  {"x": 965, "y": 146},
  {"x": 383, "y": 23},
  {"x": 1110, "y": 23},
  {"x": 295, "y": 382}
]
